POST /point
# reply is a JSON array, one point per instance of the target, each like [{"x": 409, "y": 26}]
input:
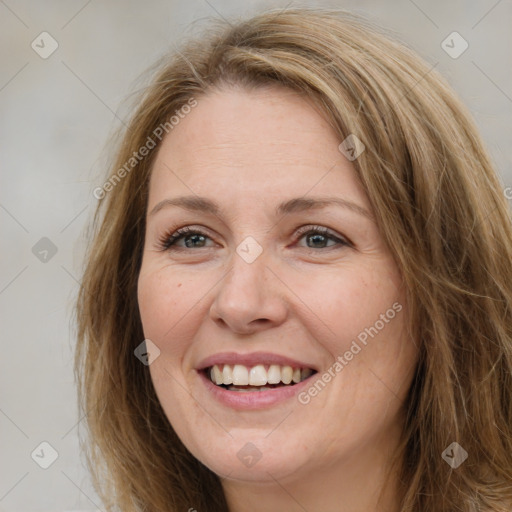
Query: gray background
[{"x": 56, "y": 116}]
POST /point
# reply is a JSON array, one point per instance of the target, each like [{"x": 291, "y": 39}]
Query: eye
[
  {"x": 319, "y": 236},
  {"x": 193, "y": 237},
  {"x": 196, "y": 238}
]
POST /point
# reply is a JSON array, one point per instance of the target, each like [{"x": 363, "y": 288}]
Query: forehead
[{"x": 247, "y": 143}]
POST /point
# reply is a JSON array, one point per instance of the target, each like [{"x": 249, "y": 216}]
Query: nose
[{"x": 250, "y": 298}]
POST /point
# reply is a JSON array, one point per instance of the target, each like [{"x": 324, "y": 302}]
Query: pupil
[
  {"x": 318, "y": 237},
  {"x": 192, "y": 236}
]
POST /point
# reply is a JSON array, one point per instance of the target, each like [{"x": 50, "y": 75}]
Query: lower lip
[{"x": 253, "y": 399}]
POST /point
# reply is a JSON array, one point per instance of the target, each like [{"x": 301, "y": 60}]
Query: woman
[{"x": 298, "y": 295}]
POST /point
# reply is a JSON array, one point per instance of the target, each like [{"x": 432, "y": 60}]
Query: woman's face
[{"x": 255, "y": 292}]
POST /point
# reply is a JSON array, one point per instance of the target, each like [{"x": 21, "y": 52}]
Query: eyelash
[{"x": 168, "y": 241}]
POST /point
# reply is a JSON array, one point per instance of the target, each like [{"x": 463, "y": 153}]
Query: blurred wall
[{"x": 56, "y": 113}]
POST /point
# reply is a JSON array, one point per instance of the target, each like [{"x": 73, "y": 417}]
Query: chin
[{"x": 252, "y": 458}]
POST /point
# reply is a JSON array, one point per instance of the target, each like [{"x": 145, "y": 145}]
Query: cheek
[
  {"x": 163, "y": 304},
  {"x": 346, "y": 301}
]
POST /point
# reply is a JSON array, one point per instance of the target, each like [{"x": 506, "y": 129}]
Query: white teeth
[
  {"x": 286, "y": 374},
  {"x": 257, "y": 376},
  {"x": 227, "y": 374},
  {"x": 274, "y": 374},
  {"x": 217, "y": 375},
  {"x": 240, "y": 375}
]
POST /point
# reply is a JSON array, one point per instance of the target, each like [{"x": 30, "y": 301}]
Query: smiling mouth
[{"x": 256, "y": 378}]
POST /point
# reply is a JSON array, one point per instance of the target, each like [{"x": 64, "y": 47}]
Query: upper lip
[{"x": 251, "y": 360}]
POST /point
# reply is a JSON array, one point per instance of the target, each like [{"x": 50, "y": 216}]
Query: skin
[{"x": 303, "y": 297}]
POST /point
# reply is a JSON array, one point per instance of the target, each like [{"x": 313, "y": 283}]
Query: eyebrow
[{"x": 299, "y": 204}]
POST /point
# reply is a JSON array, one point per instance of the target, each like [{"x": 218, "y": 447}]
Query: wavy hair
[{"x": 440, "y": 208}]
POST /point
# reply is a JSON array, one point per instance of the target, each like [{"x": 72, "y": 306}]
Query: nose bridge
[{"x": 247, "y": 273}]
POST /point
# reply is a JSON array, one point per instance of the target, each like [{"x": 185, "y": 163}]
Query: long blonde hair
[{"x": 440, "y": 208}]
